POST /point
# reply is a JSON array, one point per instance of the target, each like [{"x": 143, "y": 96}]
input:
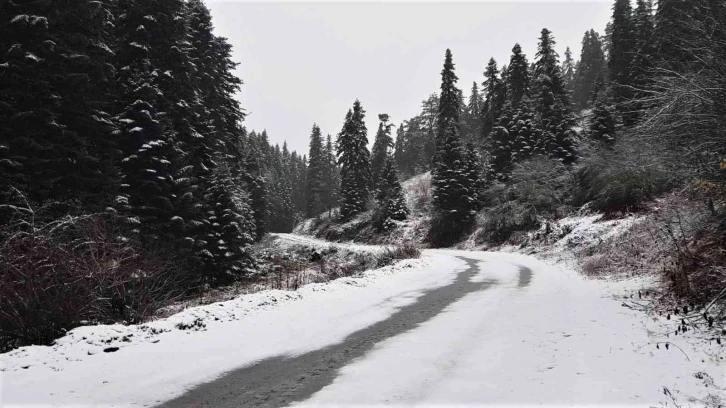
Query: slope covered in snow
[{"x": 537, "y": 334}]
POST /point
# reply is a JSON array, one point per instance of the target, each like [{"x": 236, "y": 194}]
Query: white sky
[{"x": 305, "y": 63}]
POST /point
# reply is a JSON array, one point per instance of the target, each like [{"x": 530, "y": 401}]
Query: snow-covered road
[{"x": 454, "y": 328}]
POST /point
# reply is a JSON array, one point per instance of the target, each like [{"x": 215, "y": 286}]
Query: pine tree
[
  {"x": 454, "y": 202},
  {"x": 332, "y": 172},
  {"x": 147, "y": 138},
  {"x": 222, "y": 220},
  {"x": 501, "y": 148},
  {"x": 390, "y": 198},
  {"x": 399, "y": 154},
  {"x": 551, "y": 102},
  {"x": 622, "y": 44},
  {"x": 518, "y": 77},
  {"x": 643, "y": 61},
  {"x": 602, "y": 125},
  {"x": 56, "y": 140},
  {"x": 256, "y": 186},
  {"x": 493, "y": 89},
  {"x": 472, "y": 124},
  {"x": 428, "y": 125},
  {"x": 474, "y": 171},
  {"x": 316, "y": 175},
  {"x": 383, "y": 142},
  {"x": 675, "y": 32},
  {"x": 354, "y": 158},
  {"x": 286, "y": 191},
  {"x": 591, "y": 66},
  {"x": 568, "y": 71}
]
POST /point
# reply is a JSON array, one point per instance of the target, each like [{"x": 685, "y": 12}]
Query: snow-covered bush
[
  {"x": 538, "y": 189},
  {"x": 622, "y": 179}
]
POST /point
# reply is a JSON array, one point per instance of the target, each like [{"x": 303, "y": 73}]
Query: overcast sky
[{"x": 305, "y": 63}]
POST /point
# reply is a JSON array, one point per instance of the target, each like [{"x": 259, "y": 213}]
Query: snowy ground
[{"x": 556, "y": 340}]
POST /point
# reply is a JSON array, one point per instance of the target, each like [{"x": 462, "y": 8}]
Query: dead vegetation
[
  {"x": 678, "y": 242},
  {"x": 76, "y": 270},
  {"x": 288, "y": 266}
]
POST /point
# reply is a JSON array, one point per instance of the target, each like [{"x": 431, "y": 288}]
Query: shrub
[
  {"x": 57, "y": 275},
  {"x": 622, "y": 179},
  {"x": 537, "y": 189},
  {"x": 406, "y": 251}
]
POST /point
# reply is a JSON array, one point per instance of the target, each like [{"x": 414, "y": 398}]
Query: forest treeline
[
  {"x": 126, "y": 176},
  {"x": 638, "y": 114}
]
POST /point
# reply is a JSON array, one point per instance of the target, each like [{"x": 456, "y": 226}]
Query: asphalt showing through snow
[{"x": 279, "y": 381}]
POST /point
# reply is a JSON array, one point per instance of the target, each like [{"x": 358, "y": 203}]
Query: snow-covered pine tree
[
  {"x": 287, "y": 208},
  {"x": 568, "y": 71},
  {"x": 389, "y": 196},
  {"x": 381, "y": 146},
  {"x": 472, "y": 124},
  {"x": 332, "y": 177},
  {"x": 494, "y": 94},
  {"x": 602, "y": 124},
  {"x": 551, "y": 102},
  {"x": 518, "y": 77},
  {"x": 501, "y": 148},
  {"x": 474, "y": 170},
  {"x": 232, "y": 224},
  {"x": 591, "y": 66},
  {"x": 622, "y": 47},
  {"x": 354, "y": 159},
  {"x": 399, "y": 153},
  {"x": 55, "y": 88},
  {"x": 454, "y": 204},
  {"x": 255, "y": 184},
  {"x": 643, "y": 61},
  {"x": 147, "y": 138},
  {"x": 675, "y": 31},
  {"x": 227, "y": 224},
  {"x": 316, "y": 175}
]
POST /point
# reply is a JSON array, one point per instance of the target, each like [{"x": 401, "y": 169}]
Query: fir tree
[
  {"x": 518, "y": 77},
  {"x": 391, "y": 202},
  {"x": 256, "y": 187},
  {"x": 675, "y": 32},
  {"x": 472, "y": 125},
  {"x": 354, "y": 158},
  {"x": 316, "y": 175},
  {"x": 591, "y": 66},
  {"x": 643, "y": 61},
  {"x": 493, "y": 89},
  {"x": 332, "y": 172},
  {"x": 454, "y": 202},
  {"x": 602, "y": 124},
  {"x": 622, "y": 44},
  {"x": 474, "y": 171},
  {"x": 568, "y": 71},
  {"x": 551, "y": 101},
  {"x": 56, "y": 83},
  {"x": 399, "y": 154},
  {"x": 383, "y": 142}
]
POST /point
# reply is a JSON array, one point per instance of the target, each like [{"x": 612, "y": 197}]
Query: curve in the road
[{"x": 279, "y": 381}]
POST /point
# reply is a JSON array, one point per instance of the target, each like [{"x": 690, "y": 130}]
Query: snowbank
[{"x": 142, "y": 365}]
